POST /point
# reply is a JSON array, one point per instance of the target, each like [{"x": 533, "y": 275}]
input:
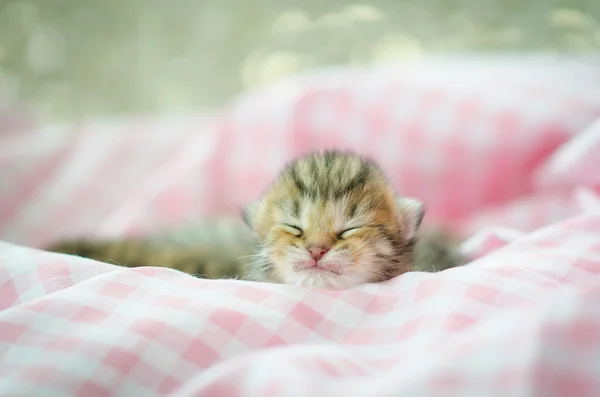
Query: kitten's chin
[
  {"x": 330, "y": 277},
  {"x": 322, "y": 280}
]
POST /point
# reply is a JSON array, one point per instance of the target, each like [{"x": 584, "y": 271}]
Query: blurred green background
[{"x": 78, "y": 58}]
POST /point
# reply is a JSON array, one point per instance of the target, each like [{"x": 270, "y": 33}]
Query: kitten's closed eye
[
  {"x": 351, "y": 230},
  {"x": 295, "y": 230},
  {"x": 348, "y": 232}
]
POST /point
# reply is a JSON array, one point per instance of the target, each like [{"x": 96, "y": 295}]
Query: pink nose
[{"x": 317, "y": 252}]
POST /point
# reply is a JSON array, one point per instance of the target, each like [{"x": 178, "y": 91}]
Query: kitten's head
[{"x": 332, "y": 221}]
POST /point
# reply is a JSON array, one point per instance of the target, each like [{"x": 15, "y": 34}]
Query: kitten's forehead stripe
[
  {"x": 297, "y": 181},
  {"x": 332, "y": 175},
  {"x": 351, "y": 210},
  {"x": 314, "y": 169},
  {"x": 296, "y": 208},
  {"x": 358, "y": 181}
]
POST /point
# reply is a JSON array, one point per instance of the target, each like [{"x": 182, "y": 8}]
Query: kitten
[
  {"x": 332, "y": 220},
  {"x": 329, "y": 220}
]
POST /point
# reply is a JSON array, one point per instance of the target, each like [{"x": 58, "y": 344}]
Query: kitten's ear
[
  {"x": 249, "y": 214},
  {"x": 410, "y": 216}
]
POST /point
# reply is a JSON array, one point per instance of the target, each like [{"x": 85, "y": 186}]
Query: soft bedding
[{"x": 508, "y": 153}]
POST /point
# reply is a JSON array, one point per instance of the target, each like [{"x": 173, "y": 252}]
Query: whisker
[
  {"x": 247, "y": 256},
  {"x": 256, "y": 264},
  {"x": 114, "y": 262}
]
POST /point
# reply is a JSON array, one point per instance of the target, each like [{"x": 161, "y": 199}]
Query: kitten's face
[{"x": 334, "y": 223}]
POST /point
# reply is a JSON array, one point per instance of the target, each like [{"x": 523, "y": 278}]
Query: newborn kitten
[
  {"x": 328, "y": 221},
  {"x": 332, "y": 220}
]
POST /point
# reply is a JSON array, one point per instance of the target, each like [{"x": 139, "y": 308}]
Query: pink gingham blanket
[{"x": 505, "y": 150}]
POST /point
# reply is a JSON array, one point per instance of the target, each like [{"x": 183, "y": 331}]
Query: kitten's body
[
  {"x": 328, "y": 221},
  {"x": 213, "y": 248}
]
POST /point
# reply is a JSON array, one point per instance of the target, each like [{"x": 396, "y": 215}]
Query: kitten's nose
[{"x": 317, "y": 252}]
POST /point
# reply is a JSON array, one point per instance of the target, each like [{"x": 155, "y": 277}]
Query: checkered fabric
[
  {"x": 521, "y": 321},
  {"x": 505, "y": 150}
]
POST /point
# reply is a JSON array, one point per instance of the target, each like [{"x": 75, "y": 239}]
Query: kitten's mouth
[
  {"x": 316, "y": 269},
  {"x": 322, "y": 270}
]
